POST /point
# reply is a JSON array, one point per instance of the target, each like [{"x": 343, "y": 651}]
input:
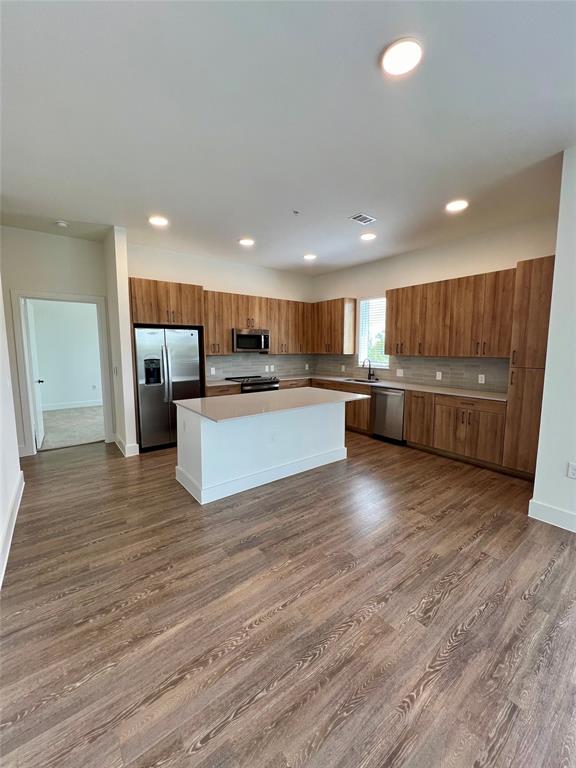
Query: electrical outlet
[
  {"x": 399, "y": 372},
  {"x": 572, "y": 470},
  {"x": 481, "y": 378},
  {"x": 272, "y": 368},
  {"x": 212, "y": 371},
  {"x": 342, "y": 368},
  {"x": 438, "y": 375},
  {"x": 307, "y": 367},
  {"x": 266, "y": 368}
]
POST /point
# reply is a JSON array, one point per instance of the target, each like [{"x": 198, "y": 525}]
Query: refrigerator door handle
[
  {"x": 168, "y": 374},
  {"x": 165, "y": 374}
]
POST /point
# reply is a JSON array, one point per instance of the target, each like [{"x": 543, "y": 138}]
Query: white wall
[
  {"x": 11, "y": 478},
  {"x": 116, "y": 261},
  {"x": 490, "y": 251},
  {"x": 40, "y": 262},
  {"x": 67, "y": 353},
  {"x": 216, "y": 274},
  {"x": 554, "y": 493}
]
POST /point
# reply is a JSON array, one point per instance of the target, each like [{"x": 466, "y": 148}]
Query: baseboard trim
[
  {"x": 66, "y": 406},
  {"x": 13, "y": 513},
  {"x": 127, "y": 450},
  {"x": 561, "y": 518},
  {"x": 239, "y": 484}
]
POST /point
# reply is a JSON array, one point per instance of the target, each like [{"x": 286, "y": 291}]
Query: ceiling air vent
[{"x": 362, "y": 218}]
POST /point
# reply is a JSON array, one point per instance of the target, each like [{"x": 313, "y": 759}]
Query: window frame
[{"x": 381, "y": 366}]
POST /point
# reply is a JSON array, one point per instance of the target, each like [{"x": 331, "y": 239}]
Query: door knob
[{"x": 39, "y": 381}]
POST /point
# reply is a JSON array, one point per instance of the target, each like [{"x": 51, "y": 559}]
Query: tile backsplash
[{"x": 456, "y": 372}]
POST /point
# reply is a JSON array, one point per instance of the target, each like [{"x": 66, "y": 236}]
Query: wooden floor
[{"x": 397, "y": 609}]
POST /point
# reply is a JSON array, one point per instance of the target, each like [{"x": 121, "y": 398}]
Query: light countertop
[
  {"x": 255, "y": 403},
  {"x": 397, "y": 383}
]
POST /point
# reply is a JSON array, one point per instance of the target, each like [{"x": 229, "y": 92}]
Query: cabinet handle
[
  {"x": 168, "y": 315},
  {"x": 463, "y": 416},
  {"x": 469, "y": 417},
  {"x": 511, "y": 378},
  {"x": 477, "y": 347},
  {"x": 397, "y": 348},
  {"x": 401, "y": 346},
  {"x": 173, "y": 316},
  {"x": 484, "y": 348},
  {"x": 513, "y": 357},
  {"x": 419, "y": 347}
]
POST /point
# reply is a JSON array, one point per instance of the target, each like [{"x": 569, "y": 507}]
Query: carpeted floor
[{"x": 73, "y": 426}]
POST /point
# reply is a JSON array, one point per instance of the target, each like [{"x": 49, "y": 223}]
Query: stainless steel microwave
[{"x": 251, "y": 340}]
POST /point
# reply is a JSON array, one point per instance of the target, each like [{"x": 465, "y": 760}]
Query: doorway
[{"x": 65, "y": 382}]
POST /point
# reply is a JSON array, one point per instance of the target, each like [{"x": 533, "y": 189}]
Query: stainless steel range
[{"x": 256, "y": 383}]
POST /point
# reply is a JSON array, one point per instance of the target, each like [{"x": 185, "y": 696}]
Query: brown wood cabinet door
[
  {"x": 413, "y": 321},
  {"x": 450, "y": 428},
  {"x": 218, "y": 322},
  {"x": 149, "y": 301},
  {"x": 278, "y": 326},
  {"x": 305, "y": 340},
  {"x": 334, "y": 328},
  {"x": 186, "y": 304},
  {"x": 497, "y": 315},
  {"x": 358, "y": 415},
  {"x": 485, "y": 436},
  {"x": 436, "y": 318},
  {"x": 392, "y": 339},
  {"x": 466, "y": 314},
  {"x": 531, "y": 312},
  {"x": 525, "y": 387},
  {"x": 419, "y": 418}
]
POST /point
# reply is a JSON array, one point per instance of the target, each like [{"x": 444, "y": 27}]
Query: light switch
[
  {"x": 272, "y": 368},
  {"x": 342, "y": 368},
  {"x": 572, "y": 470},
  {"x": 212, "y": 371},
  {"x": 438, "y": 375},
  {"x": 266, "y": 368},
  {"x": 481, "y": 378},
  {"x": 399, "y": 371},
  {"x": 307, "y": 367}
]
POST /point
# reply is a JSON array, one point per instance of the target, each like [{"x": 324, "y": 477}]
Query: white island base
[{"x": 230, "y": 444}]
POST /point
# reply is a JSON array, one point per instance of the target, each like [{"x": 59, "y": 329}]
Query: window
[{"x": 372, "y": 332}]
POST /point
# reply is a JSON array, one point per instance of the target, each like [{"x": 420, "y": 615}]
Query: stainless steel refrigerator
[{"x": 168, "y": 367}]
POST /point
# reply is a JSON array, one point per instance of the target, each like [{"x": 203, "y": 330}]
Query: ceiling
[{"x": 228, "y": 116}]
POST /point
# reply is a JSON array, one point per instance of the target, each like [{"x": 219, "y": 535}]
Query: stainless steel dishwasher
[{"x": 388, "y": 413}]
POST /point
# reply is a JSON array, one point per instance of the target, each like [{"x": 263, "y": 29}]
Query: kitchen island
[{"x": 232, "y": 443}]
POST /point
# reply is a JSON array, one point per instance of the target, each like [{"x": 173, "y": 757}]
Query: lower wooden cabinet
[
  {"x": 525, "y": 387},
  {"x": 359, "y": 413},
  {"x": 470, "y": 427},
  {"x": 419, "y": 417}
]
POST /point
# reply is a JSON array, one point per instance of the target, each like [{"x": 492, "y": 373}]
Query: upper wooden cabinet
[
  {"x": 466, "y": 317},
  {"x": 436, "y": 318},
  {"x": 334, "y": 325},
  {"x": 531, "y": 312},
  {"x": 219, "y": 316},
  {"x": 163, "y": 303},
  {"x": 497, "y": 314}
]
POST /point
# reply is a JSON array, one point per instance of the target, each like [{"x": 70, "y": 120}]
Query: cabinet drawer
[
  {"x": 224, "y": 389},
  {"x": 342, "y": 386},
  {"x": 294, "y": 383},
  {"x": 471, "y": 403}
]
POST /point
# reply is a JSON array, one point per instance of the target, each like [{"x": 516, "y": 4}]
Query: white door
[{"x": 36, "y": 383}]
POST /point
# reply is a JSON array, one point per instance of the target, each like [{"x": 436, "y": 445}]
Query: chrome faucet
[{"x": 371, "y": 374}]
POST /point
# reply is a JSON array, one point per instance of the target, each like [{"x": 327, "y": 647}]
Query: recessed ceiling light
[
  {"x": 368, "y": 236},
  {"x": 61, "y": 223},
  {"x": 456, "y": 206},
  {"x": 247, "y": 242},
  {"x": 310, "y": 256},
  {"x": 401, "y": 56},
  {"x": 158, "y": 221}
]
